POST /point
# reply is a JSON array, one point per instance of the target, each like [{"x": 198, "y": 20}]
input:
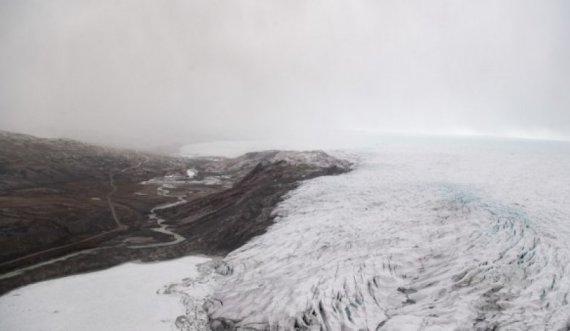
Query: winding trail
[{"x": 120, "y": 227}]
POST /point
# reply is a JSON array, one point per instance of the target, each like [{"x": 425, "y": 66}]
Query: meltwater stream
[{"x": 439, "y": 237}]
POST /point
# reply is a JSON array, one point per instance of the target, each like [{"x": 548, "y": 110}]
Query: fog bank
[{"x": 146, "y": 72}]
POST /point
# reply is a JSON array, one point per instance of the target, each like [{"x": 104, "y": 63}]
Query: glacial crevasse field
[{"x": 420, "y": 236}]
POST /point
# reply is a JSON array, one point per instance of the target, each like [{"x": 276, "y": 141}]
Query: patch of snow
[
  {"x": 312, "y": 158},
  {"x": 191, "y": 173},
  {"x": 210, "y": 180},
  {"x": 123, "y": 298},
  {"x": 171, "y": 180}
]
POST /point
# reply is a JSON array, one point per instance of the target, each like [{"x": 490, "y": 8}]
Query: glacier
[{"x": 432, "y": 235}]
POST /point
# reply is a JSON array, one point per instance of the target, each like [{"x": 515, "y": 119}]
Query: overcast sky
[{"x": 183, "y": 70}]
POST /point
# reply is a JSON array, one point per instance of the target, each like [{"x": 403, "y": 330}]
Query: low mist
[{"x": 149, "y": 73}]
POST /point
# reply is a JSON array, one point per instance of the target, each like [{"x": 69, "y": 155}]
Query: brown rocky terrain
[
  {"x": 53, "y": 192},
  {"x": 68, "y": 207}
]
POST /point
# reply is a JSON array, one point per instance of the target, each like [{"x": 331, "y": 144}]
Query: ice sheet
[{"x": 422, "y": 235}]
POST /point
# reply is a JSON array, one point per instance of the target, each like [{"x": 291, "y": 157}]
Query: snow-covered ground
[
  {"x": 423, "y": 235},
  {"x": 124, "y": 298}
]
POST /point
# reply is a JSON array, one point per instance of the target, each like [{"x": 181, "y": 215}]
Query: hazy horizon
[{"x": 138, "y": 73}]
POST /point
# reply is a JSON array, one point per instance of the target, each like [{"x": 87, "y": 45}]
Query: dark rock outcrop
[{"x": 223, "y": 221}]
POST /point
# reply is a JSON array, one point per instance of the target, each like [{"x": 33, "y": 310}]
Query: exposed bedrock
[{"x": 221, "y": 222}]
